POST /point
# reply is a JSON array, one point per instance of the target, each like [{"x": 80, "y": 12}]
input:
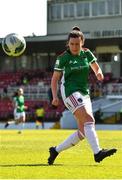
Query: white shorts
[
  {"x": 77, "y": 100},
  {"x": 18, "y": 115}
]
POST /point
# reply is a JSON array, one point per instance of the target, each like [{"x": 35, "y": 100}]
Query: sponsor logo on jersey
[
  {"x": 78, "y": 68},
  {"x": 73, "y": 62}
]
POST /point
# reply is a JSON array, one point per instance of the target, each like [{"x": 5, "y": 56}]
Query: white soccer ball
[{"x": 13, "y": 44}]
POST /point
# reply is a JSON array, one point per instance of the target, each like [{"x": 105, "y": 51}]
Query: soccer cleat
[
  {"x": 6, "y": 125},
  {"x": 103, "y": 154},
  {"x": 19, "y": 132},
  {"x": 53, "y": 155}
]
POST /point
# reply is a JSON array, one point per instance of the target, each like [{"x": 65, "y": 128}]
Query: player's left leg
[
  {"x": 16, "y": 117},
  {"x": 8, "y": 123},
  {"x": 21, "y": 122},
  {"x": 84, "y": 115}
]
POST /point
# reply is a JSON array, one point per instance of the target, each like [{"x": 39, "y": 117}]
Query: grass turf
[{"x": 24, "y": 156}]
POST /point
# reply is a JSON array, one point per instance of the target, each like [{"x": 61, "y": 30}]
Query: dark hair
[
  {"x": 75, "y": 33},
  {"x": 15, "y": 94},
  {"x": 76, "y": 28}
]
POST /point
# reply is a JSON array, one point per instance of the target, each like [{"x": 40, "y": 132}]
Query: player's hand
[
  {"x": 100, "y": 76},
  {"x": 25, "y": 107},
  {"x": 55, "y": 102}
]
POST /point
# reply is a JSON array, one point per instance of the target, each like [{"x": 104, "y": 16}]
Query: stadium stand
[{"x": 36, "y": 92}]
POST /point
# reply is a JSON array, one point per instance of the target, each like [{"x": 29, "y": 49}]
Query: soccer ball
[{"x": 13, "y": 44}]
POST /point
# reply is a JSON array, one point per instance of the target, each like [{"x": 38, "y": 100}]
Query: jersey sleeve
[
  {"x": 90, "y": 56},
  {"x": 14, "y": 99},
  {"x": 59, "y": 64}
]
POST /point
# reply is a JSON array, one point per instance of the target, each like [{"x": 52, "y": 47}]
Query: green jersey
[
  {"x": 19, "y": 101},
  {"x": 75, "y": 70}
]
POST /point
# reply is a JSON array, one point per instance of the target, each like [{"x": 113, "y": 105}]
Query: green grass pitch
[{"x": 24, "y": 156}]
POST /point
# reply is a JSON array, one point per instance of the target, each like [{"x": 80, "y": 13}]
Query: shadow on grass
[{"x": 29, "y": 165}]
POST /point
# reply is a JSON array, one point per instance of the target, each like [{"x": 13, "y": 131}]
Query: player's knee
[
  {"x": 89, "y": 119},
  {"x": 81, "y": 134}
]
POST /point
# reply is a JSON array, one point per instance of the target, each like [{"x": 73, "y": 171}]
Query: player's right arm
[
  {"x": 15, "y": 106},
  {"x": 54, "y": 86},
  {"x": 58, "y": 69}
]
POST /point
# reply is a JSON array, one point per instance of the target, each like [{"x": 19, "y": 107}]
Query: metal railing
[
  {"x": 110, "y": 90},
  {"x": 31, "y": 91}
]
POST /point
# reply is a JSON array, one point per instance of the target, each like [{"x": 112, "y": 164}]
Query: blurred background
[{"x": 101, "y": 23}]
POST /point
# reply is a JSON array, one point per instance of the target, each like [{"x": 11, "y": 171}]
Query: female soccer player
[
  {"x": 72, "y": 67},
  {"x": 19, "y": 110}
]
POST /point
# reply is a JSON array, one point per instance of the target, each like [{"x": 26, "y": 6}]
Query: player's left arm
[
  {"x": 97, "y": 70},
  {"x": 25, "y": 107}
]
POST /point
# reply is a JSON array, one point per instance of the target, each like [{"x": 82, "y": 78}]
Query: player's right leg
[
  {"x": 53, "y": 155},
  {"x": 71, "y": 141}
]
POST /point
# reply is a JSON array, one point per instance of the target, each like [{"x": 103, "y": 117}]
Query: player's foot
[
  {"x": 103, "y": 154},
  {"x": 53, "y": 155},
  {"x": 19, "y": 132},
  {"x": 6, "y": 125}
]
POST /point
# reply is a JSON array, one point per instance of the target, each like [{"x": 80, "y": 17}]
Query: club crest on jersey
[
  {"x": 57, "y": 62},
  {"x": 80, "y": 100}
]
